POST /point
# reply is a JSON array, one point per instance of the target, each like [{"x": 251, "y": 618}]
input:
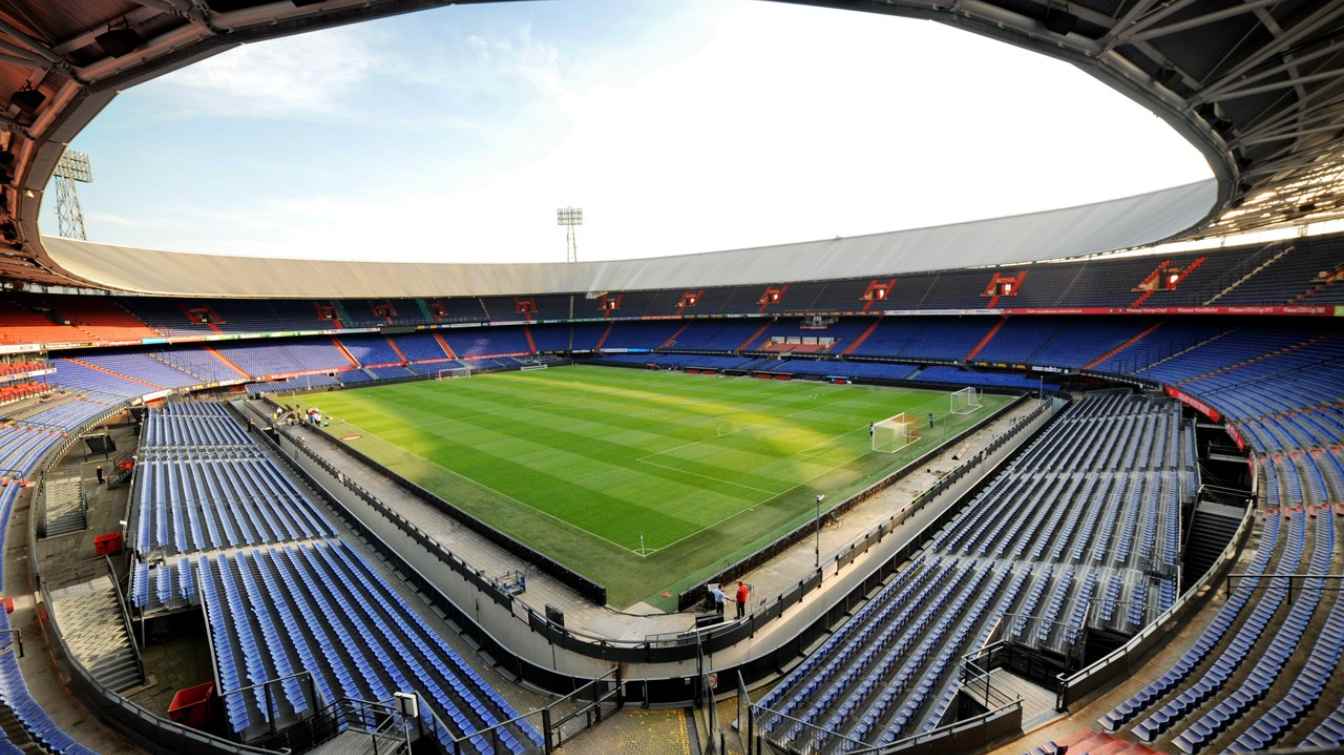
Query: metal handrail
[
  {"x": 941, "y": 731},
  {"x": 1228, "y": 554},
  {"x": 18, "y": 640},
  {"x": 125, "y": 616},
  {"x": 758, "y": 709}
]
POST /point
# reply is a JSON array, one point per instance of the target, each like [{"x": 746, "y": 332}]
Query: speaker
[
  {"x": 1060, "y": 21},
  {"x": 100, "y": 444},
  {"x": 27, "y": 100},
  {"x": 555, "y": 615},
  {"x": 120, "y": 41}
]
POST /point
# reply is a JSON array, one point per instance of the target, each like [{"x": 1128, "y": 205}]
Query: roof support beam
[
  {"x": 1321, "y": 98},
  {"x": 24, "y": 56},
  {"x": 1289, "y": 82},
  {"x": 1323, "y": 112},
  {"x": 1296, "y": 62},
  {"x": 1286, "y": 135},
  {"x": 1110, "y": 41},
  {"x": 1198, "y": 21},
  {"x": 35, "y": 46},
  {"x": 1322, "y": 16},
  {"x": 1122, "y": 36}
]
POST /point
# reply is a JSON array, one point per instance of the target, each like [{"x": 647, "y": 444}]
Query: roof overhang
[
  {"x": 1048, "y": 235},
  {"x": 1256, "y": 85}
]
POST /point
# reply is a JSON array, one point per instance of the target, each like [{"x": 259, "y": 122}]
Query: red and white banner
[
  {"x": 1315, "y": 310},
  {"x": 1194, "y": 403}
]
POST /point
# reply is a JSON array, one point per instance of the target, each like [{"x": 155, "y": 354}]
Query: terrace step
[
  {"x": 854, "y": 346},
  {"x": 1186, "y": 350},
  {"x": 228, "y": 362},
  {"x": 1248, "y": 276},
  {"x": 605, "y": 334},
  {"x": 672, "y": 339},
  {"x": 443, "y": 344},
  {"x": 1111, "y": 354},
  {"x": 397, "y": 350},
  {"x": 115, "y": 374},
  {"x": 984, "y": 340},
  {"x": 1211, "y": 528},
  {"x": 89, "y": 615},
  {"x": 344, "y": 351},
  {"x": 753, "y": 337}
]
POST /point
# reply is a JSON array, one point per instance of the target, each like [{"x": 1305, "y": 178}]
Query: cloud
[
  {"x": 304, "y": 75},
  {"x": 112, "y": 219},
  {"x": 678, "y": 128}
]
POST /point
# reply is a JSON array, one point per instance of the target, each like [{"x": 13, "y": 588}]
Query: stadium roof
[
  {"x": 1035, "y": 236},
  {"x": 1256, "y": 85}
]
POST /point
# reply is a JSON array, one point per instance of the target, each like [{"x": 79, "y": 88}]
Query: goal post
[
  {"x": 965, "y": 401},
  {"x": 453, "y": 372},
  {"x": 894, "y": 433}
]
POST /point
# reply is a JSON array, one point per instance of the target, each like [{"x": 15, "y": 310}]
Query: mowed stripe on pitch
[
  {"x": 584, "y": 488},
  {"x": 575, "y": 442}
]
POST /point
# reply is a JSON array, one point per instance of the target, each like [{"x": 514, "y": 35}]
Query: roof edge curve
[{"x": 1044, "y": 235}]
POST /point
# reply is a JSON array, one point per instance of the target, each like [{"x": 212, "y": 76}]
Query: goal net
[
  {"x": 965, "y": 401},
  {"x": 894, "y": 433},
  {"x": 453, "y": 372}
]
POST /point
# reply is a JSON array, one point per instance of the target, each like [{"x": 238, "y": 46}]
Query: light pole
[
  {"x": 570, "y": 218},
  {"x": 820, "y": 497}
]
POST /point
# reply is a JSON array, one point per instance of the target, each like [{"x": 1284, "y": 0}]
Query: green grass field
[{"x": 644, "y": 481}]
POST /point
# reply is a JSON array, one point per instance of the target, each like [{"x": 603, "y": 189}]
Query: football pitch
[{"x": 643, "y": 481}]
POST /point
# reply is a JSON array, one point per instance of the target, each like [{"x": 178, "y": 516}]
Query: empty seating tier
[
  {"x": 275, "y": 611},
  {"x": 202, "y": 484},
  {"x": 1087, "y": 513}
]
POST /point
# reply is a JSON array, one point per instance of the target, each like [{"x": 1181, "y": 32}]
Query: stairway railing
[{"x": 125, "y": 617}]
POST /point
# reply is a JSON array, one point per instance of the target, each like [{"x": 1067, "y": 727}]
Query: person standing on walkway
[
  {"x": 743, "y": 592},
  {"x": 717, "y": 598}
]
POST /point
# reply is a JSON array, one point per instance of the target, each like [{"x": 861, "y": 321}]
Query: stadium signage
[{"x": 1291, "y": 311}]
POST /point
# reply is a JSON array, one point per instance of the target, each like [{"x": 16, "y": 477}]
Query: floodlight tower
[
  {"x": 570, "y": 218},
  {"x": 72, "y": 167}
]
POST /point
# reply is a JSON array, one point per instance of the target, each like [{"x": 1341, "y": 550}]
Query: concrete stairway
[
  {"x": 1212, "y": 526},
  {"x": 354, "y": 742},
  {"x": 62, "y": 508},
  {"x": 12, "y": 729},
  {"x": 1214, "y": 299},
  {"x": 89, "y": 617}
]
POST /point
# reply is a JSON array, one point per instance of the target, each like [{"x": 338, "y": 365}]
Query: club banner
[{"x": 1194, "y": 403}]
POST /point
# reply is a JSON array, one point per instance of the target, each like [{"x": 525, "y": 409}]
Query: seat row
[
  {"x": 275, "y": 611},
  {"x": 186, "y": 506},
  {"x": 1029, "y": 544}
]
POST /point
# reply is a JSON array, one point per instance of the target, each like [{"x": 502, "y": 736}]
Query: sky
[{"x": 452, "y": 135}]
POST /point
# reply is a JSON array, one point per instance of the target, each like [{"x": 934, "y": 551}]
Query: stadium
[{"x": 1067, "y": 481}]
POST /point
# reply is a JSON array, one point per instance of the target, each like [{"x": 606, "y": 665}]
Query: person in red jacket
[{"x": 743, "y": 592}]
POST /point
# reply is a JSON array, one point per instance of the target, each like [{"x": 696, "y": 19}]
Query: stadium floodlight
[
  {"x": 570, "y": 218},
  {"x": 72, "y": 167}
]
